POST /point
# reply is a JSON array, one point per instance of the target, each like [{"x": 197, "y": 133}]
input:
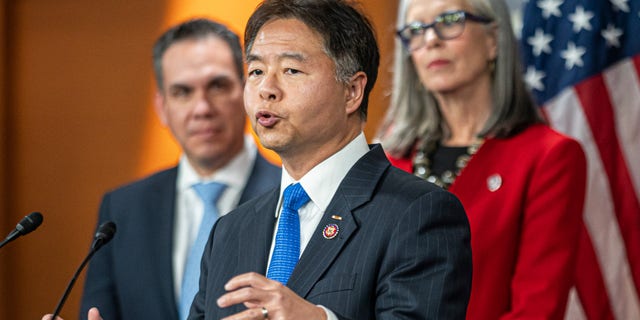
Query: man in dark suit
[
  {"x": 367, "y": 240},
  {"x": 200, "y": 77}
]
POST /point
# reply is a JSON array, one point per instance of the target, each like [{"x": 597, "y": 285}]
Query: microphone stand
[
  {"x": 63, "y": 299},
  {"x": 14, "y": 234},
  {"x": 103, "y": 235}
]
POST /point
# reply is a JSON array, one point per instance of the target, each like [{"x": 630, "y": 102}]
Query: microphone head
[
  {"x": 104, "y": 234},
  {"x": 29, "y": 223},
  {"x": 106, "y": 231}
]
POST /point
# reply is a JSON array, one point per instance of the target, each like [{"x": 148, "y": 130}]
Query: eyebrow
[
  {"x": 222, "y": 78},
  {"x": 284, "y": 56},
  {"x": 178, "y": 85}
]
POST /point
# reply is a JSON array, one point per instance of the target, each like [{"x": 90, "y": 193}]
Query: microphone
[
  {"x": 26, "y": 225},
  {"x": 103, "y": 235}
]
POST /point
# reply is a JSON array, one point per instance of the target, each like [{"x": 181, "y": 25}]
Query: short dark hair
[
  {"x": 348, "y": 35},
  {"x": 191, "y": 30}
]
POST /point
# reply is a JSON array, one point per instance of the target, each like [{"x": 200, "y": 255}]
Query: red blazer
[{"x": 524, "y": 233}]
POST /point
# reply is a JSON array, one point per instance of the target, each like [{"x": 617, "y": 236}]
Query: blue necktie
[
  {"x": 286, "y": 251},
  {"x": 209, "y": 193}
]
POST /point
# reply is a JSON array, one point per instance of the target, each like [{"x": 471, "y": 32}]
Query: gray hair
[{"x": 414, "y": 114}]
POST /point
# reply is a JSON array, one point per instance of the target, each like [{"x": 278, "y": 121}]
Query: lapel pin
[
  {"x": 330, "y": 231},
  {"x": 494, "y": 182},
  {"x": 335, "y": 217}
]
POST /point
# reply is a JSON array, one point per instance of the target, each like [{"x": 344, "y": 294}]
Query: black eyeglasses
[{"x": 447, "y": 26}]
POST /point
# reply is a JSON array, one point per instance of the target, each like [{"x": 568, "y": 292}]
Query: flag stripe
[
  {"x": 590, "y": 284},
  {"x": 600, "y": 115},
  {"x": 566, "y": 115},
  {"x": 574, "y": 307},
  {"x": 624, "y": 87}
]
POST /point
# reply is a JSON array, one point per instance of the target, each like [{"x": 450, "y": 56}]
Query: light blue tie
[
  {"x": 286, "y": 251},
  {"x": 209, "y": 193}
]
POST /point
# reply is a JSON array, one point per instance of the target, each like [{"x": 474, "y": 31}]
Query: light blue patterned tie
[
  {"x": 286, "y": 251},
  {"x": 209, "y": 193}
]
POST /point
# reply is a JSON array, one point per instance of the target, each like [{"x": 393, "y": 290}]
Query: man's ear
[
  {"x": 159, "y": 101},
  {"x": 355, "y": 92}
]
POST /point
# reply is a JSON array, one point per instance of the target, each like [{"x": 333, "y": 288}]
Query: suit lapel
[
  {"x": 162, "y": 213},
  {"x": 261, "y": 225},
  {"x": 355, "y": 190}
]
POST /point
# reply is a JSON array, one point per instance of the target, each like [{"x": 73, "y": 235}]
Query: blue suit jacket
[
  {"x": 131, "y": 278},
  {"x": 402, "y": 250}
]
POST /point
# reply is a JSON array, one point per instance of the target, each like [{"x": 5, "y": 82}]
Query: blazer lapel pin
[
  {"x": 494, "y": 182},
  {"x": 330, "y": 231}
]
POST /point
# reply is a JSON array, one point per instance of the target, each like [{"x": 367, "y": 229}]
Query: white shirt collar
[
  {"x": 235, "y": 174},
  {"x": 323, "y": 180}
]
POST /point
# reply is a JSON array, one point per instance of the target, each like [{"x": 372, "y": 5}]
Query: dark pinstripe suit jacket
[
  {"x": 132, "y": 276},
  {"x": 402, "y": 251}
]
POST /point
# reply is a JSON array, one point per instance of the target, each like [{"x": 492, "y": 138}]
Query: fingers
[
  {"x": 248, "y": 288},
  {"x": 266, "y": 299},
  {"x": 253, "y": 313},
  {"x": 251, "y": 279},
  {"x": 94, "y": 314},
  {"x": 249, "y": 296}
]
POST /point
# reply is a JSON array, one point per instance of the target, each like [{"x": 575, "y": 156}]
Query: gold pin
[{"x": 339, "y": 218}]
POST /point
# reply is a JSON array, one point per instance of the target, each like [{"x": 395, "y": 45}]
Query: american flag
[{"x": 582, "y": 62}]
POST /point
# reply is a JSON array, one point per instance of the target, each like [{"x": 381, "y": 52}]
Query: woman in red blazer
[{"x": 461, "y": 118}]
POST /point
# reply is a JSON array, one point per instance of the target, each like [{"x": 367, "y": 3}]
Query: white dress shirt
[
  {"x": 190, "y": 209},
  {"x": 321, "y": 184}
]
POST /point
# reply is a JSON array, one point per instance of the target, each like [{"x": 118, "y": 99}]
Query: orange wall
[
  {"x": 77, "y": 120},
  {"x": 3, "y": 151}
]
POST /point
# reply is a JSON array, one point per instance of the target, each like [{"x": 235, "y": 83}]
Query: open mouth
[{"x": 266, "y": 119}]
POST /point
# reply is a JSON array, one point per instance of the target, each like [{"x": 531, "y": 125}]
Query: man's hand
[
  {"x": 94, "y": 314},
  {"x": 266, "y": 299}
]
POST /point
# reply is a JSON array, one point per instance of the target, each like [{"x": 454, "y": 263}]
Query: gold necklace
[{"x": 423, "y": 158}]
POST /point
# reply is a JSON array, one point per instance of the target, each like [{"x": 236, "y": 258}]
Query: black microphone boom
[
  {"x": 103, "y": 235},
  {"x": 26, "y": 225}
]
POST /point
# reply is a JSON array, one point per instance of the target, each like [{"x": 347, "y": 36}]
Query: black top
[{"x": 444, "y": 158}]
